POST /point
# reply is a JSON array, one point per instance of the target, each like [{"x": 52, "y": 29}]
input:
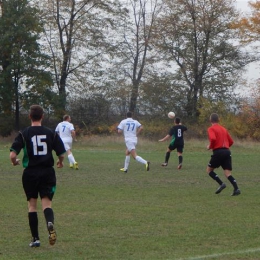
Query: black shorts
[
  {"x": 178, "y": 147},
  {"x": 221, "y": 157},
  {"x": 40, "y": 181}
]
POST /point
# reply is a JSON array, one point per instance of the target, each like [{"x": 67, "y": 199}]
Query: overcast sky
[{"x": 243, "y": 5}]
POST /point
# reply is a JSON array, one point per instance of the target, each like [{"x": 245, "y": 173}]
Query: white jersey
[
  {"x": 129, "y": 127},
  {"x": 64, "y": 129}
]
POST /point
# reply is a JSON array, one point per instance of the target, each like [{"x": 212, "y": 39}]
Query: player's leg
[
  {"x": 29, "y": 180},
  {"x": 127, "y": 156},
  {"x": 140, "y": 159},
  {"x": 47, "y": 190},
  {"x": 70, "y": 158},
  {"x": 227, "y": 167},
  {"x": 215, "y": 177},
  {"x": 49, "y": 217},
  {"x": 215, "y": 163},
  {"x": 180, "y": 158},
  {"x": 72, "y": 161},
  {"x": 167, "y": 155},
  {"x": 33, "y": 222},
  {"x": 127, "y": 161}
]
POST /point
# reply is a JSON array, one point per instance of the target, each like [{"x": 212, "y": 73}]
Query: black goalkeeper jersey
[
  {"x": 38, "y": 142},
  {"x": 177, "y": 134}
]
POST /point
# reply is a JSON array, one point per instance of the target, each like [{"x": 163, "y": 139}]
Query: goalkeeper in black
[
  {"x": 39, "y": 178},
  {"x": 177, "y": 142}
]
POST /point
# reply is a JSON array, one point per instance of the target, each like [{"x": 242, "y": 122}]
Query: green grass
[{"x": 102, "y": 213}]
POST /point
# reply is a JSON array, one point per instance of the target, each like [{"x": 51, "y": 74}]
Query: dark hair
[
  {"x": 66, "y": 117},
  {"x": 36, "y": 112},
  {"x": 129, "y": 114},
  {"x": 214, "y": 118},
  {"x": 177, "y": 120}
]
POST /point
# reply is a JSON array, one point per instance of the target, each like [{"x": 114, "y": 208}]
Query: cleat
[
  {"x": 52, "y": 234},
  {"x": 35, "y": 243},
  {"x": 76, "y": 166},
  {"x": 164, "y": 164},
  {"x": 123, "y": 170},
  {"x": 236, "y": 192},
  {"x": 71, "y": 165},
  {"x": 179, "y": 166},
  {"x": 220, "y": 188},
  {"x": 147, "y": 166}
]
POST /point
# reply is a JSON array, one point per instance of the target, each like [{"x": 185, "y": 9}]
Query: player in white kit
[
  {"x": 131, "y": 128},
  {"x": 67, "y": 133}
]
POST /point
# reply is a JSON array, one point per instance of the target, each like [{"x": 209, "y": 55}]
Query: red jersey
[{"x": 219, "y": 137}]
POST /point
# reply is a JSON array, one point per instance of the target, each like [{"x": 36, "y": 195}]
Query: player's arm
[
  {"x": 16, "y": 148},
  {"x": 73, "y": 134},
  {"x": 13, "y": 158},
  {"x": 212, "y": 139},
  {"x": 120, "y": 128},
  {"x": 165, "y": 138},
  {"x": 59, "y": 149},
  {"x": 60, "y": 161},
  {"x": 57, "y": 129},
  {"x": 139, "y": 130},
  {"x": 230, "y": 140}
]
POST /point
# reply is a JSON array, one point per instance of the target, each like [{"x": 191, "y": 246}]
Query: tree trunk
[{"x": 134, "y": 96}]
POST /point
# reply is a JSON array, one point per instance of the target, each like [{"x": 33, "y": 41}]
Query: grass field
[{"x": 102, "y": 213}]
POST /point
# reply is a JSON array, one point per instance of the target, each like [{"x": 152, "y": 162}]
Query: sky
[{"x": 243, "y": 5}]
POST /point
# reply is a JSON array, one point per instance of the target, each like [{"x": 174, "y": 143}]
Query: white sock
[
  {"x": 140, "y": 159},
  {"x": 71, "y": 158},
  {"x": 127, "y": 161}
]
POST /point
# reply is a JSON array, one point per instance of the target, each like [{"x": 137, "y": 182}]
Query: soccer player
[
  {"x": 67, "y": 133},
  {"x": 131, "y": 129},
  {"x": 220, "y": 141},
  {"x": 177, "y": 142},
  {"x": 39, "y": 177}
]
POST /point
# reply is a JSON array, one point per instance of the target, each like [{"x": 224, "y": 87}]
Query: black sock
[
  {"x": 233, "y": 182},
  {"x": 33, "y": 223},
  {"x": 167, "y": 156},
  {"x": 180, "y": 159},
  {"x": 49, "y": 215},
  {"x": 215, "y": 177}
]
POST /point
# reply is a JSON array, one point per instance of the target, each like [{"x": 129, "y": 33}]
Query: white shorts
[
  {"x": 67, "y": 145},
  {"x": 130, "y": 145}
]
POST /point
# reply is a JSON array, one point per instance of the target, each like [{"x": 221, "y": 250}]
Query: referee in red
[{"x": 220, "y": 141}]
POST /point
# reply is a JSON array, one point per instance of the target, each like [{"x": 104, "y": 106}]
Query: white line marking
[{"x": 253, "y": 250}]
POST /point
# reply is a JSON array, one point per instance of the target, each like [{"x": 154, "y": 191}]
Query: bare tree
[
  {"x": 196, "y": 36},
  {"x": 76, "y": 35},
  {"x": 135, "y": 47}
]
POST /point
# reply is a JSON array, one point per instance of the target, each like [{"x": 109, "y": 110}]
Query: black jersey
[
  {"x": 38, "y": 142},
  {"x": 177, "y": 134}
]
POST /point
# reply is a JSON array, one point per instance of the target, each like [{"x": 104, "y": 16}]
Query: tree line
[{"x": 98, "y": 59}]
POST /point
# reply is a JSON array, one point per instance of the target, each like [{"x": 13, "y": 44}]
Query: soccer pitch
[{"x": 167, "y": 214}]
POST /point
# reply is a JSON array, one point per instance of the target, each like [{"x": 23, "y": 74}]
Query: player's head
[
  {"x": 129, "y": 114},
  {"x": 214, "y": 118},
  {"x": 66, "y": 118},
  {"x": 36, "y": 113},
  {"x": 177, "y": 120}
]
